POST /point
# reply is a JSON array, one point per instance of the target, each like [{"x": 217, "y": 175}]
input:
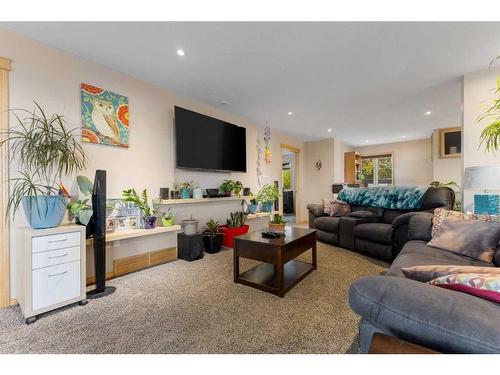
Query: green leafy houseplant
[
  {"x": 227, "y": 186},
  {"x": 81, "y": 209},
  {"x": 277, "y": 224},
  {"x": 45, "y": 151},
  {"x": 212, "y": 237},
  {"x": 236, "y": 219},
  {"x": 148, "y": 212},
  {"x": 266, "y": 196},
  {"x": 238, "y": 187},
  {"x": 490, "y": 136}
]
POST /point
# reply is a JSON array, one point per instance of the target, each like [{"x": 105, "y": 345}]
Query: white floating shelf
[
  {"x": 124, "y": 234},
  {"x": 168, "y": 202},
  {"x": 258, "y": 215}
]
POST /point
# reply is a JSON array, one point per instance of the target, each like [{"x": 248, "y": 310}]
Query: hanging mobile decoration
[
  {"x": 260, "y": 175},
  {"x": 267, "y": 139}
]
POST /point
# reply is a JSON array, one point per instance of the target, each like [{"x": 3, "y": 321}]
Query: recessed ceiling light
[
  {"x": 404, "y": 136},
  {"x": 366, "y": 141},
  {"x": 428, "y": 113},
  {"x": 180, "y": 52},
  {"x": 224, "y": 102},
  {"x": 290, "y": 113},
  {"x": 329, "y": 130}
]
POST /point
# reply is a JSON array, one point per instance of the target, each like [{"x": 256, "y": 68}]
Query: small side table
[{"x": 190, "y": 246}]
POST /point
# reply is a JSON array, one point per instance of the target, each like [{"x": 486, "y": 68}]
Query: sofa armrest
[
  {"x": 316, "y": 209},
  {"x": 420, "y": 226},
  {"x": 437, "y": 318}
]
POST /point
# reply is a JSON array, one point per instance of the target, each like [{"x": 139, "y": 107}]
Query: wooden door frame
[
  {"x": 296, "y": 202},
  {"x": 5, "y": 66}
]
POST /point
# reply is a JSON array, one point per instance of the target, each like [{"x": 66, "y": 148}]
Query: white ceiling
[{"x": 369, "y": 82}]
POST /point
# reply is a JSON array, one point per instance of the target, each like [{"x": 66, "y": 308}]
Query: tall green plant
[
  {"x": 44, "y": 151},
  {"x": 268, "y": 194},
  {"x": 131, "y": 195},
  {"x": 490, "y": 136}
]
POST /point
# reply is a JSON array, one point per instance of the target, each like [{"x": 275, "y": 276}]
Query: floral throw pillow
[
  {"x": 339, "y": 208},
  {"x": 442, "y": 213},
  {"x": 480, "y": 285},
  {"x": 327, "y": 205},
  {"x": 429, "y": 272}
]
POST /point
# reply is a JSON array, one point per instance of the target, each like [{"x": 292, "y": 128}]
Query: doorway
[{"x": 289, "y": 183}]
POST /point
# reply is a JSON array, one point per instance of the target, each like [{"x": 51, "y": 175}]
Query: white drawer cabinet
[{"x": 50, "y": 268}]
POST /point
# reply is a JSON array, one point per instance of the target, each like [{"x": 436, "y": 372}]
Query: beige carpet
[{"x": 183, "y": 307}]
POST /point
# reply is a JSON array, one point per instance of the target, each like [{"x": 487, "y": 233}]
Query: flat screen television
[{"x": 206, "y": 143}]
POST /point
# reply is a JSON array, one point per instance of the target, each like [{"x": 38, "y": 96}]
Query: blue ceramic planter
[
  {"x": 44, "y": 211},
  {"x": 185, "y": 193},
  {"x": 267, "y": 206},
  {"x": 252, "y": 208}
]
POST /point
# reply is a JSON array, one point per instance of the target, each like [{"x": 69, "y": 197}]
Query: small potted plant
[
  {"x": 45, "y": 151},
  {"x": 277, "y": 224},
  {"x": 167, "y": 218},
  {"x": 148, "y": 212},
  {"x": 185, "y": 189},
  {"x": 235, "y": 226},
  {"x": 238, "y": 187},
  {"x": 227, "y": 187},
  {"x": 252, "y": 207},
  {"x": 212, "y": 237},
  {"x": 267, "y": 196}
]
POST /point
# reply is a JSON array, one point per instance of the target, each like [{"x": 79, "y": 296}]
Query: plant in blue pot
[
  {"x": 44, "y": 151},
  {"x": 252, "y": 207},
  {"x": 267, "y": 196},
  {"x": 185, "y": 189}
]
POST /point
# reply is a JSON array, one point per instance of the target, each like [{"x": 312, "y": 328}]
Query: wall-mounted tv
[{"x": 206, "y": 143}]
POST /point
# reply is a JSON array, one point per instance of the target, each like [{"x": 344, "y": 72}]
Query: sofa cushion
[
  {"x": 376, "y": 232},
  {"x": 364, "y": 215},
  {"x": 476, "y": 284},
  {"x": 390, "y": 215},
  {"x": 327, "y": 223},
  {"x": 477, "y": 239},
  {"x": 417, "y": 253},
  {"x": 329, "y": 237},
  {"x": 436, "y": 318},
  {"x": 431, "y": 272},
  {"x": 374, "y": 249}
]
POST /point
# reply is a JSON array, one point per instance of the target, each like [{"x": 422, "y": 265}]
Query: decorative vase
[
  {"x": 150, "y": 222},
  {"x": 185, "y": 193},
  {"x": 44, "y": 211},
  {"x": 190, "y": 226},
  {"x": 167, "y": 222},
  {"x": 252, "y": 208},
  {"x": 197, "y": 193},
  {"x": 267, "y": 206},
  {"x": 212, "y": 244},
  {"x": 229, "y": 233}
]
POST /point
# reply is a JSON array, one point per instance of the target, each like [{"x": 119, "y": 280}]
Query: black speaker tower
[{"x": 99, "y": 235}]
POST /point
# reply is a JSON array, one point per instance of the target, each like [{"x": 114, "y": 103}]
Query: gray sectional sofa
[{"x": 443, "y": 320}]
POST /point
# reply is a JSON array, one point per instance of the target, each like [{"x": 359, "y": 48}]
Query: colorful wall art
[
  {"x": 267, "y": 140},
  {"x": 104, "y": 116}
]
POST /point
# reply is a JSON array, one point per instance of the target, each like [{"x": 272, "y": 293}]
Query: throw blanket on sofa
[{"x": 390, "y": 197}]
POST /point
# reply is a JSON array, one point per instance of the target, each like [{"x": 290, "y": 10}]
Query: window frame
[{"x": 375, "y": 158}]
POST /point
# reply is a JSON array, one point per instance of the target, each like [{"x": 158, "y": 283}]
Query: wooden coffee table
[{"x": 279, "y": 271}]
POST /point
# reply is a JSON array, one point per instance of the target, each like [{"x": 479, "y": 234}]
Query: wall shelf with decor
[
  {"x": 125, "y": 234},
  {"x": 168, "y": 202},
  {"x": 450, "y": 142},
  {"x": 352, "y": 168}
]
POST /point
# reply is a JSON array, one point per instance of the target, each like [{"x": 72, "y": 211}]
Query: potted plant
[
  {"x": 167, "y": 218},
  {"x": 252, "y": 207},
  {"x": 277, "y": 224},
  {"x": 45, "y": 151},
  {"x": 185, "y": 189},
  {"x": 81, "y": 209},
  {"x": 148, "y": 213},
  {"x": 266, "y": 197},
  {"x": 238, "y": 187},
  {"x": 490, "y": 135},
  {"x": 227, "y": 187},
  {"x": 212, "y": 237},
  {"x": 174, "y": 193},
  {"x": 235, "y": 226}
]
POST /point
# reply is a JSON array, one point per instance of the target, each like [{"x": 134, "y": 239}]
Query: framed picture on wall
[{"x": 450, "y": 142}]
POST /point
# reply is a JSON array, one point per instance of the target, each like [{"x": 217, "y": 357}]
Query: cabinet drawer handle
[
  {"x": 57, "y": 256},
  {"x": 53, "y": 241},
  {"x": 57, "y": 274}
]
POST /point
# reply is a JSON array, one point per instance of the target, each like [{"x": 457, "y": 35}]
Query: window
[
  {"x": 287, "y": 176},
  {"x": 376, "y": 170}
]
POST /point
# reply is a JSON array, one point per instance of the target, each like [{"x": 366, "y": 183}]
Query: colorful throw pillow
[
  {"x": 479, "y": 285},
  {"x": 339, "y": 208},
  {"x": 476, "y": 239},
  {"x": 441, "y": 213},
  {"x": 430, "y": 272},
  {"x": 327, "y": 205}
]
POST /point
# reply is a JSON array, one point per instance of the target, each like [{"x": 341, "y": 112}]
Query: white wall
[
  {"x": 339, "y": 150},
  {"x": 52, "y": 78},
  {"x": 478, "y": 93},
  {"x": 412, "y": 160}
]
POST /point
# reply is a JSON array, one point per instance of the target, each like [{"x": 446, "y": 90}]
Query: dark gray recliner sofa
[
  {"x": 378, "y": 232},
  {"x": 440, "y": 319}
]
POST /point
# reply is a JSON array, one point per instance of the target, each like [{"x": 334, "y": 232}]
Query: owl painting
[{"x": 104, "y": 116}]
